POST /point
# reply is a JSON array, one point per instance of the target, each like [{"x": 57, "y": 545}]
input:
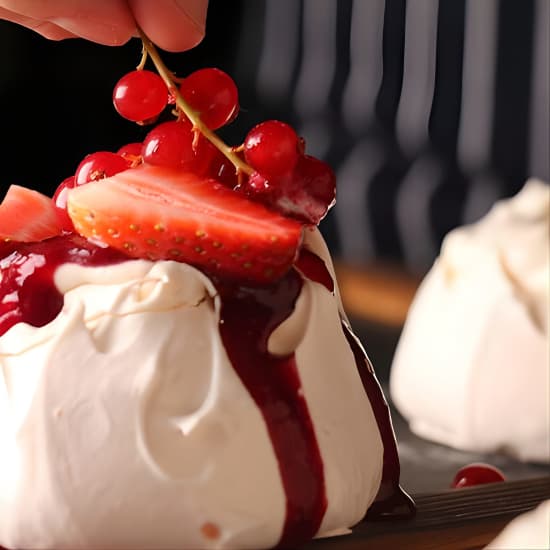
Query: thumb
[
  {"x": 195, "y": 11},
  {"x": 173, "y": 25}
]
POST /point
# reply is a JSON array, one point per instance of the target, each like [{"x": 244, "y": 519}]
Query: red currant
[
  {"x": 99, "y": 165},
  {"x": 60, "y": 201},
  {"x": 222, "y": 169},
  {"x": 140, "y": 96},
  {"x": 131, "y": 153},
  {"x": 213, "y": 94},
  {"x": 170, "y": 144},
  {"x": 175, "y": 144},
  {"x": 271, "y": 148},
  {"x": 477, "y": 473},
  {"x": 258, "y": 188}
]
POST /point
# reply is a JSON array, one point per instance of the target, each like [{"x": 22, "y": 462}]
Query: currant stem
[
  {"x": 240, "y": 166},
  {"x": 143, "y": 59}
]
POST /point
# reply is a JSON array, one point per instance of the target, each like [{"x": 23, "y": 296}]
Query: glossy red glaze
[
  {"x": 391, "y": 501},
  {"x": 314, "y": 268},
  {"x": 251, "y": 315},
  {"x": 27, "y": 290}
]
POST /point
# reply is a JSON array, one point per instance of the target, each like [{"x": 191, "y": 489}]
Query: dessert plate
[
  {"x": 464, "y": 519},
  {"x": 453, "y": 519}
]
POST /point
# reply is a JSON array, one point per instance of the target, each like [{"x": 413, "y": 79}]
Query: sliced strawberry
[
  {"x": 161, "y": 213},
  {"x": 27, "y": 216}
]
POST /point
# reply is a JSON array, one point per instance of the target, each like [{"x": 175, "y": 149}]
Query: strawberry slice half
[
  {"x": 27, "y": 216},
  {"x": 159, "y": 213}
]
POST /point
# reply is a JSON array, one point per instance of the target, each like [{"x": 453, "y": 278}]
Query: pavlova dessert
[
  {"x": 472, "y": 368},
  {"x": 176, "y": 367}
]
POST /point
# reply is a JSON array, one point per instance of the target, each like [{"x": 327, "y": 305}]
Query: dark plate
[{"x": 447, "y": 519}]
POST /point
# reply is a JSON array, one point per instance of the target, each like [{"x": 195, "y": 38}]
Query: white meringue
[{"x": 472, "y": 367}]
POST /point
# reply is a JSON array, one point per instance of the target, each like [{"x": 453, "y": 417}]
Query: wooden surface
[
  {"x": 379, "y": 293},
  {"x": 472, "y": 535},
  {"x": 459, "y": 519}
]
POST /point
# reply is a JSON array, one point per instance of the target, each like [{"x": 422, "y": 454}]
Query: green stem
[{"x": 166, "y": 75}]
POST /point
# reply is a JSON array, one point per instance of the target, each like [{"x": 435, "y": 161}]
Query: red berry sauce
[
  {"x": 314, "y": 269},
  {"x": 391, "y": 501},
  {"x": 251, "y": 315},
  {"x": 27, "y": 290},
  {"x": 248, "y": 314}
]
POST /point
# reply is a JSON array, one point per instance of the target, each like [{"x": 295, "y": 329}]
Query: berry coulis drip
[
  {"x": 27, "y": 270},
  {"x": 251, "y": 314},
  {"x": 391, "y": 501},
  {"x": 314, "y": 268}
]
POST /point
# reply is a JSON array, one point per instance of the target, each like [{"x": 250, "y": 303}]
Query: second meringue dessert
[
  {"x": 176, "y": 367},
  {"x": 472, "y": 368},
  {"x": 529, "y": 530}
]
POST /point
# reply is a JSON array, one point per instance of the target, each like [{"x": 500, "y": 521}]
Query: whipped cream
[
  {"x": 529, "y": 531},
  {"x": 472, "y": 368},
  {"x": 123, "y": 423}
]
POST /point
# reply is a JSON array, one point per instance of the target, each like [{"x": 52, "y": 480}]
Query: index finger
[{"x": 104, "y": 21}]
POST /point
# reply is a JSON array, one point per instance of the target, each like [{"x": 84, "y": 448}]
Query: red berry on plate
[
  {"x": 271, "y": 148},
  {"x": 477, "y": 473},
  {"x": 159, "y": 213},
  {"x": 97, "y": 166},
  {"x": 131, "y": 153},
  {"x": 60, "y": 202},
  {"x": 213, "y": 94},
  {"x": 27, "y": 216},
  {"x": 140, "y": 96}
]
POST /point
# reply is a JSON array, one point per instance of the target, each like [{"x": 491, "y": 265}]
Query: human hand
[{"x": 174, "y": 25}]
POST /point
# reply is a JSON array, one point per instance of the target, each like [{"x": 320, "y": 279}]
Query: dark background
[{"x": 55, "y": 101}]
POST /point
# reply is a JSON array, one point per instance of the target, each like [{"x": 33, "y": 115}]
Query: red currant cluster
[
  {"x": 297, "y": 185},
  {"x": 275, "y": 171}
]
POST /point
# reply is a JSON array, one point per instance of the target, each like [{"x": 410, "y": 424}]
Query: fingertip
[
  {"x": 172, "y": 25},
  {"x": 176, "y": 42}
]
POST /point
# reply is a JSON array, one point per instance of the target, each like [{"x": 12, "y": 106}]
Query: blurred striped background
[{"x": 429, "y": 110}]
